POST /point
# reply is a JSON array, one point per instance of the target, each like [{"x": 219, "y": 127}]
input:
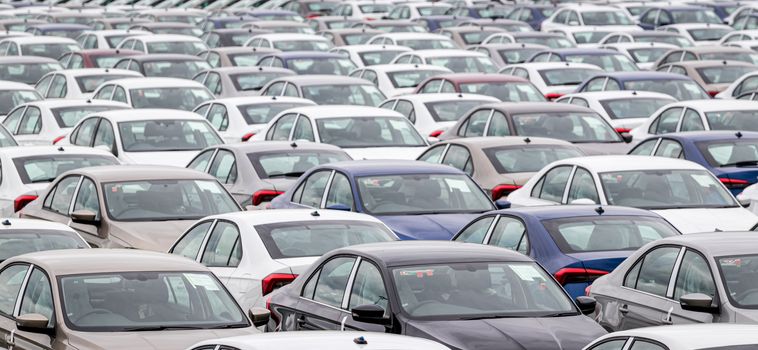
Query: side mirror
[
  {"x": 370, "y": 314},
  {"x": 502, "y": 204},
  {"x": 744, "y": 202},
  {"x": 339, "y": 206},
  {"x": 259, "y": 316},
  {"x": 698, "y": 302},
  {"x": 33, "y": 323},
  {"x": 586, "y": 304},
  {"x": 583, "y": 201},
  {"x": 84, "y": 217},
  {"x": 627, "y": 137}
]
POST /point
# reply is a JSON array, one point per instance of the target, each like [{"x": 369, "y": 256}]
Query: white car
[
  {"x": 458, "y": 61},
  {"x": 684, "y": 193},
  {"x": 398, "y": 79},
  {"x": 551, "y": 40},
  {"x": 415, "y": 41},
  {"x": 164, "y": 44},
  {"x": 362, "y": 9},
  {"x": 226, "y": 82},
  {"x": 624, "y": 110},
  {"x": 240, "y": 118},
  {"x": 743, "y": 84},
  {"x": 553, "y": 79},
  {"x": 413, "y": 10},
  {"x": 363, "y": 132},
  {"x": 643, "y": 54},
  {"x": 78, "y": 83},
  {"x": 27, "y": 171},
  {"x": 745, "y": 9},
  {"x": 106, "y": 39},
  {"x": 648, "y": 36},
  {"x": 170, "y": 93},
  {"x": 739, "y": 35},
  {"x": 47, "y": 121},
  {"x": 290, "y": 42},
  {"x": 697, "y": 115},
  {"x": 255, "y": 252},
  {"x": 702, "y": 34},
  {"x": 369, "y": 55},
  {"x": 680, "y": 337},
  {"x": 432, "y": 114},
  {"x": 590, "y": 36},
  {"x": 745, "y": 44},
  {"x": 588, "y": 15},
  {"x": 13, "y": 94},
  {"x": 45, "y": 46},
  {"x": 321, "y": 340},
  {"x": 150, "y": 137}
]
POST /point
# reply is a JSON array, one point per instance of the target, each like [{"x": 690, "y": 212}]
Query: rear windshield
[
  {"x": 292, "y": 163},
  {"x": 89, "y": 83},
  {"x": 42, "y": 169},
  {"x": 262, "y": 113},
  {"x": 527, "y": 159},
  {"x": 28, "y": 241},
  {"x": 67, "y": 117},
  {"x": 607, "y": 233},
  {"x": 252, "y": 81}
]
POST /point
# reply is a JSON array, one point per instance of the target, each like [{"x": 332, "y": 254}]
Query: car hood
[
  {"x": 172, "y": 158},
  {"x": 410, "y": 153},
  {"x": 560, "y": 333},
  {"x": 158, "y": 340},
  {"x": 709, "y": 219},
  {"x": 149, "y": 235},
  {"x": 604, "y": 148},
  {"x": 431, "y": 226}
]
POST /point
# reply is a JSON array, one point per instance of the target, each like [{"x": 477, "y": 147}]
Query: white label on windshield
[
  {"x": 703, "y": 180},
  {"x": 459, "y": 185},
  {"x": 201, "y": 280},
  {"x": 526, "y": 272}
]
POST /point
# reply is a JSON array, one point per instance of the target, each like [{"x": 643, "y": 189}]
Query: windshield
[
  {"x": 114, "y": 40},
  {"x": 606, "y": 233},
  {"x": 465, "y": 64},
  {"x": 292, "y": 163},
  {"x": 733, "y": 120},
  {"x": 252, "y": 81},
  {"x": 665, "y": 189},
  {"x": 176, "y": 47},
  {"x": 610, "y": 63},
  {"x": 17, "y": 242},
  {"x": 746, "y": 57},
  {"x": 432, "y": 10},
  {"x": 475, "y": 38},
  {"x": 527, "y": 158},
  {"x": 147, "y": 301},
  {"x": 506, "y": 92},
  {"x": 411, "y": 78},
  {"x": 428, "y": 44},
  {"x": 362, "y": 95},
  {"x": 452, "y": 110},
  {"x": 569, "y": 126},
  {"x": 723, "y": 75},
  {"x": 567, "y": 76},
  {"x": 648, "y": 55},
  {"x": 742, "y": 153},
  {"x": 357, "y": 39},
  {"x": 48, "y": 50},
  {"x": 41, "y": 169},
  {"x": 695, "y": 16},
  {"x": 262, "y": 113},
  {"x": 589, "y": 37},
  {"x": 677, "y": 40},
  {"x": 28, "y": 73},
  {"x": 182, "y": 98},
  {"x": 513, "y": 56},
  {"x": 682, "y": 90},
  {"x": 416, "y": 194},
  {"x": 624, "y": 108},
  {"x": 89, "y": 83},
  {"x": 174, "y": 69},
  {"x": 461, "y": 291},
  {"x": 71, "y": 34},
  {"x": 9, "y": 99},
  {"x": 67, "y": 117},
  {"x": 366, "y": 131},
  {"x": 337, "y": 66},
  {"x": 738, "y": 272},
  {"x": 549, "y": 41},
  {"x": 401, "y": 28},
  {"x": 166, "y": 135},
  {"x": 605, "y": 18},
  {"x": 180, "y": 31},
  {"x": 378, "y": 57},
  {"x": 106, "y": 61},
  {"x": 247, "y": 59},
  {"x": 374, "y": 8},
  {"x": 163, "y": 200},
  {"x": 302, "y": 45},
  {"x": 708, "y": 34}
]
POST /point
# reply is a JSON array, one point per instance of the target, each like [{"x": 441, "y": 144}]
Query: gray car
[
  {"x": 234, "y": 56},
  {"x": 239, "y": 81},
  {"x": 697, "y": 278}
]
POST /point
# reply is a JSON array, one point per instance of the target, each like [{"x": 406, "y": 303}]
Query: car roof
[
  {"x": 164, "y": 57},
  {"x": 164, "y": 25},
  {"x": 12, "y": 224},
  {"x": 583, "y": 51},
  {"x": 719, "y": 243},
  {"x": 257, "y": 146},
  {"x": 446, "y": 53},
  {"x": 250, "y": 69},
  {"x": 12, "y": 85},
  {"x": 431, "y": 252},
  {"x": 401, "y": 67},
  {"x": 714, "y": 48},
  {"x": 643, "y": 75},
  {"x": 321, "y": 340},
  {"x": 291, "y": 36},
  {"x": 714, "y": 63},
  {"x": 261, "y": 217},
  {"x": 83, "y": 72},
  {"x": 244, "y": 100},
  {"x": 642, "y": 45},
  {"x": 495, "y": 141},
  {"x": 29, "y": 151},
  {"x": 390, "y": 167},
  {"x": 238, "y": 49},
  {"x": 547, "y": 212},
  {"x": 71, "y": 102},
  {"x": 286, "y": 55},
  {"x": 601, "y": 164},
  {"x": 53, "y": 26},
  {"x": 537, "y": 107},
  {"x": 373, "y": 48},
  {"x": 713, "y": 135},
  {"x": 411, "y": 36},
  {"x": 26, "y": 59},
  {"x": 166, "y": 37},
  {"x": 696, "y": 336},
  {"x": 98, "y": 52},
  {"x": 555, "y": 65},
  {"x": 480, "y": 77},
  {"x": 321, "y": 79},
  {"x": 41, "y": 39},
  {"x": 122, "y": 115},
  {"x": 720, "y": 105},
  {"x": 609, "y": 95},
  {"x": 130, "y": 172},
  {"x": 154, "y": 82},
  {"x": 344, "y": 111},
  {"x": 446, "y": 97}
]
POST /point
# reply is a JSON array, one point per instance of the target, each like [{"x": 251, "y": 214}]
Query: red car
[
  {"x": 95, "y": 58},
  {"x": 507, "y": 88}
]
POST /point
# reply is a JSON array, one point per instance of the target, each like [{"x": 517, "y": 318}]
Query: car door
[
  {"x": 36, "y": 298},
  {"x": 87, "y": 199},
  {"x": 224, "y": 168},
  {"x": 11, "y": 278},
  {"x": 340, "y": 193},
  {"x": 694, "y": 276},
  {"x": 368, "y": 288},
  {"x": 105, "y": 138},
  {"x": 56, "y": 205},
  {"x": 320, "y": 306},
  {"x": 222, "y": 251},
  {"x": 666, "y": 122}
]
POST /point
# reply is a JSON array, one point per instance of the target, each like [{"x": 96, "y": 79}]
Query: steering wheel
[
  {"x": 419, "y": 305},
  {"x": 93, "y": 312}
]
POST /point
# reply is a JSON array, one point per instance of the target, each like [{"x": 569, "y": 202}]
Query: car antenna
[
  {"x": 293, "y": 144},
  {"x": 527, "y": 140},
  {"x": 360, "y": 341},
  {"x": 6, "y": 222},
  {"x": 315, "y": 213},
  {"x": 599, "y": 210},
  {"x": 738, "y": 134},
  {"x": 60, "y": 149}
]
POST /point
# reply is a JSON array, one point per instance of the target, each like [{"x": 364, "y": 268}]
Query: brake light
[
  {"x": 734, "y": 183},
  {"x": 577, "y": 275},
  {"x": 623, "y": 130},
  {"x": 503, "y": 190},
  {"x": 55, "y": 140},
  {"x": 713, "y": 93},
  {"x": 21, "y": 201},
  {"x": 370, "y": 18},
  {"x": 275, "y": 281},
  {"x": 264, "y": 196},
  {"x": 313, "y": 15},
  {"x": 247, "y": 136},
  {"x": 436, "y": 133},
  {"x": 552, "y": 96}
]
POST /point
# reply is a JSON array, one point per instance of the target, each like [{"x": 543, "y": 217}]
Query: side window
[
  {"x": 43, "y": 84},
  {"x": 224, "y": 167},
  {"x": 447, "y": 86},
  {"x": 689, "y": 56},
  {"x": 560, "y": 17},
  {"x": 554, "y": 184},
  {"x": 85, "y": 132},
  {"x": 314, "y": 189},
  {"x": 213, "y": 59},
  {"x": 544, "y": 57},
  {"x": 612, "y": 85},
  {"x": 274, "y": 89},
  {"x": 139, "y": 46},
  {"x": 281, "y": 131},
  {"x": 368, "y": 288},
  {"x": 510, "y": 233},
  {"x": 38, "y": 296},
  {"x": 691, "y": 121},
  {"x": 669, "y": 148},
  {"x": 666, "y": 122},
  {"x": 86, "y": 198},
  {"x": 476, "y": 232},
  {"x": 11, "y": 279},
  {"x": 189, "y": 245},
  {"x": 595, "y": 84},
  {"x": 459, "y": 157},
  {"x": 749, "y": 84},
  {"x": 200, "y": 163},
  {"x": 673, "y": 57},
  {"x": 119, "y": 95},
  {"x": 655, "y": 271},
  {"x": 475, "y": 124},
  {"x": 498, "y": 125},
  {"x": 432, "y": 86},
  {"x": 520, "y": 72},
  {"x": 57, "y": 88},
  {"x": 580, "y": 102},
  {"x": 303, "y": 130},
  {"x": 664, "y": 18},
  {"x": 291, "y": 90},
  {"x": 12, "y": 50},
  {"x": 582, "y": 187},
  {"x": 433, "y": 155},
  {"x": 645, "y": 148},
  {"x": 224, "y": 248},
  {"x": 615, "y": 344},
  {"x": 573, "y": 19},
  {"x": 332, "y": 281},
  {"x": 104, "y": 93},
  {"x": 104, "y": 136},
  {"x": 31, "y": 123},
  {"x": 406, "y": 108},
  {"x": 370, "y": 76},
  {"x": 340, "y": 192},
  {"x": 694, "y": 276},
  {"x": 123, "y": 64},
  {"x": 13, "y": 118},
  {"x": 645, "y": 345},
  {"x": 218, "y": 117},
  {"x": 62, "y": 195},
  {"x": 213, "y": 83}
]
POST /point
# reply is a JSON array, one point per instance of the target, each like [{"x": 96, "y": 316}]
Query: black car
[{"x": 466, "y": 296}]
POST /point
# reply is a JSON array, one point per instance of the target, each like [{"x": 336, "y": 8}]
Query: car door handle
[{"x": 624, "y": 309}]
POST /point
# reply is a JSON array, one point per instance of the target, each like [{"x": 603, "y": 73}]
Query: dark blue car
[
  {"x": 678, "y": 86},
  {"x": 532, "y": 14},
  {"x": 608, "y": 60},
  {"x": 575, "y": 243},
  {"x": 417, "y": 200},
  {"x": 65, "y": 30},
  {"x": 655, "y": 17},
  {"x": 730, "y": 155}
]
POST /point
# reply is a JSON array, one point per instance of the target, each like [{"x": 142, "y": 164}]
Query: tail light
[
  {"x": 275, "y": 281},
  {"x": 313, "y": 15},
  {"x": 713, "y": 93},
  {"x": 55, "y": 140},
  {"x": 577, "y": 275},
  {"x": 623, "y": 130},
  {"x": 247, "y": 136},
  {"x": 552, "y": 96},
  {"x": 436, "y": 133},
  {"x": 21, "y": 201},
  {"x": 734, "y": 183},
  {"x": 264, "y": 196},
  {"x": 503, "y": 190},
  {"x": 370, "y": 18}
]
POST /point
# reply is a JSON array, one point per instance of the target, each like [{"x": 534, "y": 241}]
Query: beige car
[
  {"x": 713, "y": 76},
  {"x": 131, "y": 206},
  {"x": 98, "y": 299},
  {"x": 500, "y": 165}
]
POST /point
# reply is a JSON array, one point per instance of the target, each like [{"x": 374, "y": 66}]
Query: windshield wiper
[
  {"x": 158, "y": 328},
  {"x": 290, "y": 174},
  {"x": 225, "y": 326},
  {"x": 488, "y": 317},
  {"x": 562, "y": 314},
  {"x": 742, "y": 163}
]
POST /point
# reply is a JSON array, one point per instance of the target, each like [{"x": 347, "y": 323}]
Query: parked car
[
  {"x": 398, "y": 78},
  {"x": 234, "y": 56},
  {"x": 644, "y": 54},
  {"x": 702, "y": 34},
  {"x": 624, "y": 109},
  {"x": 26, "y": 69},
  {"x": 678, "y": 86},
  {"x": 503, "y": 87},
  {"x": 44, "y": 46},
  {"x": 164, "y": 65},
  {"x": 369, "y": 55},
  {"x": 78, "y": 83},
  {"x": 326, "y": 89},
  {"x": 13, "y": 94},
  {"x": 154, "y": 92},
  {"x": 609, "y": 60},
  {"x": 654, "y": 36},
  {"x": 718, "y": 53},
  {"x": 458, "y": 61},
  {"x": 322, "y": 341},
  {"x": 553, "y": 79},
  {"x": 95, "y": 58},
  {"x": 505, "y": 54},
  {"x": 226, "y": 82},
  {"x": 700, "y": 115},
  {"x": 679, "y": 337},
  {"x": 309, "y": 62},
  {"x": 106, "y": 39},
  {"x": 23, "y": 236}
]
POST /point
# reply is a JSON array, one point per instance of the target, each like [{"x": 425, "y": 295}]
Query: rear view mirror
[
  {"x": 33, "y": 323},
  {"x": 627, "y": 137},
  {"x": 586, "y": 304},
  {"x": 370, "y": 314},
  {"x": 84, "y": 217},
  {"x": 744, "y": 202},
  {"x": 502, "y": 204},
  {"x": 259, "y": 316},
  {"x": 698, "y": 302}
]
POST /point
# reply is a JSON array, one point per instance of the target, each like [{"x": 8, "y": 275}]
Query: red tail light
[
  {"x": 264, "y": 196},
  {"x": 713, "y": 93},
  {"x": 436, "y": 133},
  {"x": 276, "y": 281},
  {"x": 552, "y": 96},
  {"x": 503, "y": 190},
  {"x": 55, "y": 140},
  {"x": 623, "y": 130},
  {"x": 734, "y": 183},
  {"x": 577, "y": 275},
  {"x": 313, "y": 15},
  {"x": 247, "y": 136},
  {"x": 21, "y": 201},
  {"x": 370, "y": 18}
]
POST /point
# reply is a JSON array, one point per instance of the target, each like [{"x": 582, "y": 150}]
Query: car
[
  {"x": 171, "y": 93},
  {"x": 362, "y": 9},
  {"x": 587, "y": 15},
  {"x": 702, "y": 34},
  {"x": 745, "y": 44},
  {"x": 501, "y": 86},
  {"x": 727, "y": 154},
  {"x": 713, "y": 76},
  {"x": 349, "y": 36},
  {"x": 553, "y": 79},
  {"x": 230, "y": 37},
  {"x": 45, "y": 122},
  {"x": 309, "y": 62},
  {"x": 708, "y": 53},
  {"x": 106, "y": 39},
  {"x": 270, "y": 248},
  {"x": 551, "y": 40},
  {"x": 164, "y": 44},
  {"x": 679, "y": 337},
  {"x": 13, "y": 94},
  {"x": 290, "y": 42},
  {"x": 239, "y": 81},
  {"x": 78, "y": 83},
  {"x": 74, "y": 17},
  {"x": 234, "y": 56},
  {"x": 331, "y": 22},
  {"x": 466, "y": 36},
  {"x": 121, "y": 23},
  {"x": 684, "y": 193},
  {"x": 224, "y": 22},
  {"x": 749, "y": 95},
  {"x": 609, "y": 60},
  {"x": 590, "y": 36},
  {"x": 26, "y": 69},
  {"x": 64, "y": 30},
  {"x": 432, "y": 114},
  {"x": 657, "y": 16},
  {"x": 23, "y": 236},
  {"x": 281, "y": 26},
  {"x": 326, "y": 89},
  {"x": 648, "y": 36},
  {"x": 699, "y": 115},
  {"x": 368, "y": 55},
  {"x": 434, "y": 24},
  {"x": 391, "y": 26},
  {"x": 189, "y": 16},
  {"x": 739, "y": 35},
  {"x": 624, "y": 109},
  {"x": 164, "y": 65},
  {"x": 499, "y": 165},
  {"x": 240, "y": 118},
  {"x": 44, "y": 46},
  {"x": 257, "y": 171},
  {"x": 505, "y": 54},
  {"x": 363, "y": 132},
  {"x": 532, "y": 14},
  {"x": 266, "y": 15},
  {"x": 427, "y": 289},
  {"x": 575, "y": 243},
  {"x": 176, "y": 28},
  {"x": 324, "y": 340},
  {"x": 458, "y": 61},
  {"x": 414, "y": 40},
  {"x": 484, "y": 10},
  {"x": 134, "y": 300},
  {"x": 696, "y": 279},
  {"x": 120, "y": 206},
  {"x": 747, "y": 22},
  {"x": 678, "y": 86},
  {"x": 410, "y": 11},
  {"x": 722, "y": 9},
  {"x": 644, "y": 54},
  {"x": 94, "y": 58},
  {"x": 742, "y": 11},
  {"x": 18, "y": 24},
  {"x": 742, "y": 85},
  {"x": 398, "y": 78},
  {"x": 508, "y": 25}
]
